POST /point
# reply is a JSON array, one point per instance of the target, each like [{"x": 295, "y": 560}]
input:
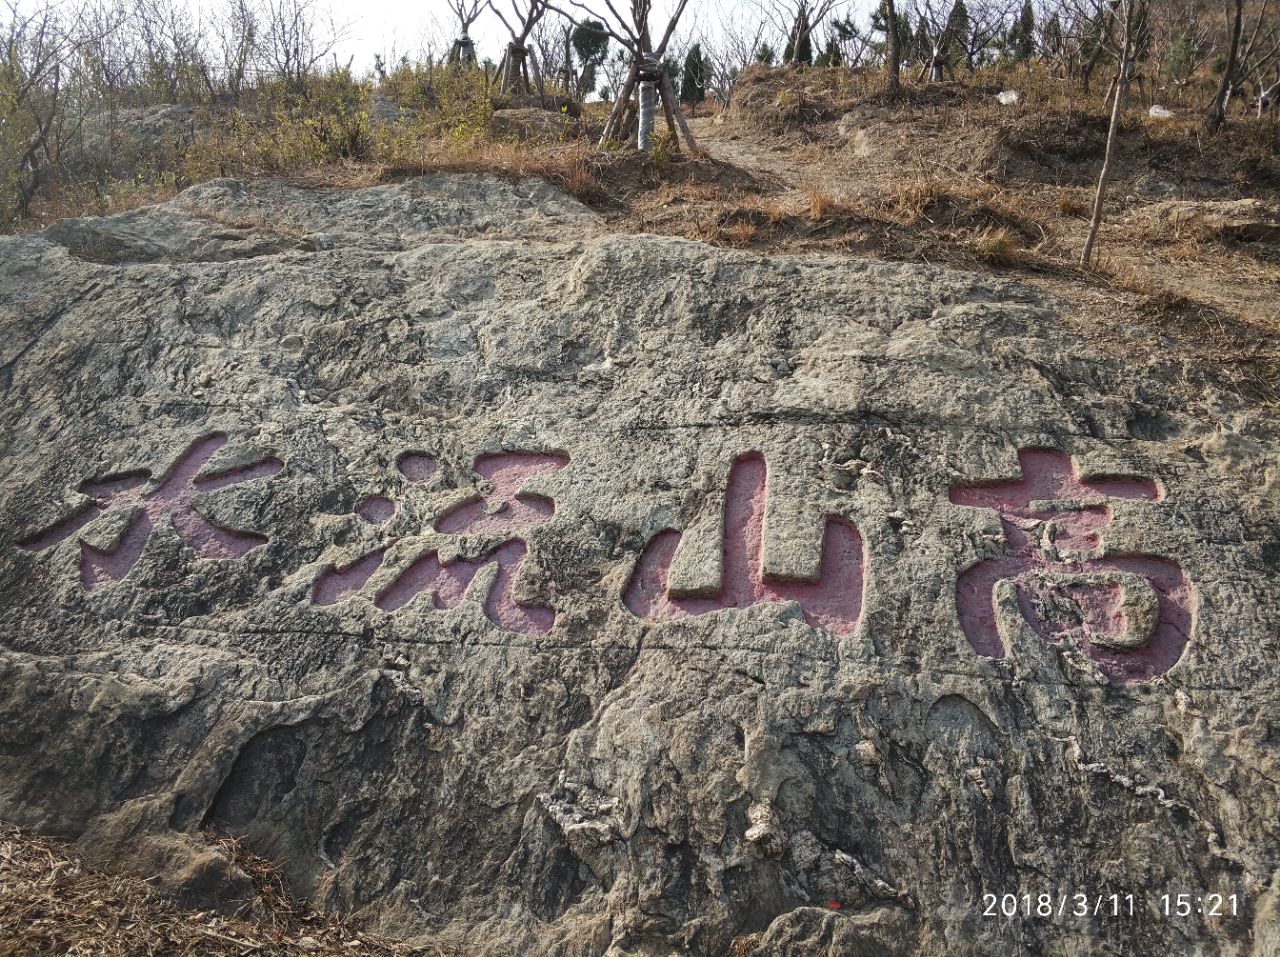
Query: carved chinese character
[
  {"x": 507, "y": 508},
  {"x": 832, "y": 602},
  {"x": 1131, "y": 614},
  {"x": 174, "y": 497}
]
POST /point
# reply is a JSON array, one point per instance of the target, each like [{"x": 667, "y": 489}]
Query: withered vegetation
[{"x": 54, "y": 903}]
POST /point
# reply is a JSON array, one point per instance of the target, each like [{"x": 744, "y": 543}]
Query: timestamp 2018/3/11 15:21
[{"x": 1079, "y": 904}]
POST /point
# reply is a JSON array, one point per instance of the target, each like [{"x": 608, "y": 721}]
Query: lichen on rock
[{"x": 479, "y": 410}]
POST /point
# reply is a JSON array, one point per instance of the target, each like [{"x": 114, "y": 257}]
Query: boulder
[
  {"x": 121, "y": 142},
  {"x": 531, "y": 123},
  {"x": 1237, "y": 220},
  {"x": 531, "y": 589},
  {"x": 385, "y": 111},
  {"x": 550, "y": 102}
]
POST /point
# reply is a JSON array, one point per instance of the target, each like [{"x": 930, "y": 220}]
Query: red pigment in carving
[
  {"x": 834, "y": 602},
  {"x": 446, "y": 584},
  {"x": 506, "y": 508},
  {"x": 1052, "y": 522},
  {"x": 337, "y": 582},
  {"x": 1047, "y": 475},
  {"x": 174, "y": 498},
  {"x": 416, "y": 466},
  {"x": 376, "y": 509}
]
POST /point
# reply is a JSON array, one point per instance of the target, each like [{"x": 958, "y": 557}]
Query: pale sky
[
  {"x": 407, "y": 26},
  {"x": 394, "y": 27}
]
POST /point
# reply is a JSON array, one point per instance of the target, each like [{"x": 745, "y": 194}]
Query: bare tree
[
  {"x": 463, "y": 51},
  {"x": 550, "y": 53},
  {"x": 108, "y": 57},
  {"x": 616, "y": 69},
  {"x": 956, "y": 30},
  {"x": 1130, "y": 14},
  {"x": 796, "y": 20},
  {"x": 850, "y": 43},
  {"x": 236, "y": 35},
  {"x": 932, "y": 20},
  {"x": 38, "y": 55},
  {"x": 1086, "y": 36},
  {"x": 170, "y": 39},
  {"x": 731, "y": 49},
  {"x": 893, "y": 47},
  {"x": 1259, "y": 58},
  {"x": 1183, "y": 38},
  {"x": 293, "y": 42},
  {"x": 515, "y": 62},
  {"x": 1218, "y": 107},
  {"x": 646, "y": 72},
  {"x": 986, "y": 21}
]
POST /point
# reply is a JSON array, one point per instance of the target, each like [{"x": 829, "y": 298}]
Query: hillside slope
[{"x": 531, "y": 587}]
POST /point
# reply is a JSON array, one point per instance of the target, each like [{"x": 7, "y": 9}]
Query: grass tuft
[{"x": 53, "y": 902}]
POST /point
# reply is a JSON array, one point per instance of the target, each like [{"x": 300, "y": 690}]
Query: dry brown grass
[
  {"x": 910, "y": 198},
  {"x": 53, "y": 903},
  {"x": 775, "y": 212},
  {"x": 1240, "y": 355},
  {"x": 740, "y": 234},
  {"x": 821, "y": 205},
  {"x": 85, "y": 201},
  {"x": 1073, "y": 203},
  {"x": 770, "y": 209},
  {"x": 998, "y": 247},
  {"x": 574, "y": 167}
]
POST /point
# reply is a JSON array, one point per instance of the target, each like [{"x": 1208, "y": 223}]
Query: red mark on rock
[
  {"x": 173, "y": 498},
  {"x": 833, "y": 602},
  {"x": 446, "y": 584},
  {"x": 1131, "y": 614},
  {"x": 416, "y": 466},
  {"x": 338, "y": 582},
  {"x": 376, "y": 509},
  {"x": 506, "y": 508}
]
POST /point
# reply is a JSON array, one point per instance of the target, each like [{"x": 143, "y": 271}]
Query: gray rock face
[
  {"x": 121, "y": 141},
  {"x": 1241, "y": 220},
  {"x": 532, "y": 123},
  {"x": 544, "y": 591}
]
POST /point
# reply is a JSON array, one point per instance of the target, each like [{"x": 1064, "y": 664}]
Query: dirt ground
[
  {"x": 1188, "y": 258},
  {"x": 1188, "y": 275}
]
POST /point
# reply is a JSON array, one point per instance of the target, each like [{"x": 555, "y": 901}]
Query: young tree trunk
[
  {"x": 644, "y": 130},
  {"x": 1086, "y": 71},
  {"x": 1218, "y": 108},
  {"x": 620, "y": 104},
  {"x": 1123, "y": 74},
  {"x": 515, "y": 72},
  {"x": 462, "y": 53},
  {"x": 895, "y": 54},
  {"x": 674, "y": 110},
  {"x": 570, "y": 86}
]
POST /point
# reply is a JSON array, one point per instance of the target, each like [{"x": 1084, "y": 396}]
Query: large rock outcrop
[{"x": 546, "y": 591}]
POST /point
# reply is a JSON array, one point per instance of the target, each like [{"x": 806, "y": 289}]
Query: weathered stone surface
[
  {"x": 270, "y": 447},
  {"x": 119, "y": 142},
  {"x": 553, "y": 102},
  {"x": 532, "y": 123},
  {"x": 1242, "y": 220},
  {"x": 224, "y": 220}
]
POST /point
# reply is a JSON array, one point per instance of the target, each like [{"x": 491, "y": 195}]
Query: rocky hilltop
[{"x": 532, "y": 589}]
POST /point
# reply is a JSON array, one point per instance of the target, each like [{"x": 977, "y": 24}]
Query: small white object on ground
[
  {"x": 1159, "y": 112},
  {"x": 1008, "y": 97}
]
